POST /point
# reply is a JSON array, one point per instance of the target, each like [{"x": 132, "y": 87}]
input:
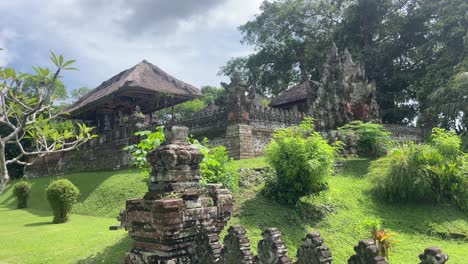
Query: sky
[{"x": 189, "y": 39}]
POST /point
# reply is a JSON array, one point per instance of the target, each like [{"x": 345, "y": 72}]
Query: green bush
[
  {"x": 217, "y": 166},
  {"x": 372, "y": 139},
  {"x": 150, "y": 140},
  {"x": 422, "y": 172},
  {"x": 22, "y": 190},
  {"x": 302, "y": 160},
  {"x": 62, "y": 195}
]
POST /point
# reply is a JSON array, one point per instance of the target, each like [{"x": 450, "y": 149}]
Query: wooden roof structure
[
  {"x": 296, "y": 93},
  {"x": 145, "y": 85}
]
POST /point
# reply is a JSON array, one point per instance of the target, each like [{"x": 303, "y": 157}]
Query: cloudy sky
[{"x": 189, "y": 39}]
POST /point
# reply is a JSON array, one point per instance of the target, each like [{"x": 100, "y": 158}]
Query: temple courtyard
[{"x": 28, "y": 236}]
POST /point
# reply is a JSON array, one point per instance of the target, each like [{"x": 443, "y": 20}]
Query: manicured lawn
[{"x": 27, "y": 236}]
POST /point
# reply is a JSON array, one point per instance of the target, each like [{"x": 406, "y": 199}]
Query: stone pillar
[
  {"x": 240, "y": 141},
  {"x": 165, "y": 223}
]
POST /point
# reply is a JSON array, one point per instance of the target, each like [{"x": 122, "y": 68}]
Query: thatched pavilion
[
  {"x": 144, "y": 85},
  {"x": 118, "y": 107}
]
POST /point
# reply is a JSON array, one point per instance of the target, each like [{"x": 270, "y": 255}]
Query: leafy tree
[
  {"x": 27, "y": 112},
  {"x": 184, "y": 111},
  {"x": 290, "y": 37},
  {"x": 410, "y": 48},
  {"x": 179, "y": 112},
  {"x": 79, "y": 92},
  {"x": 213, "y": 94}
]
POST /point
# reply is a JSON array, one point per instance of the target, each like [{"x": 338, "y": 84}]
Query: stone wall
[
  {"x": 102, "y": 153},
  {"x": 236, "y": 249}
]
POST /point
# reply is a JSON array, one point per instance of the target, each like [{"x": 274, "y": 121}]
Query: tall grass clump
[
  {"x": 372, "y": 140},
  {"x": 423, "y": 172},
  {"x": 302, "y": 160}
]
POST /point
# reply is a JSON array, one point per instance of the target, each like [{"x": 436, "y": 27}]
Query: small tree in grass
[
  {"x": 302, "y": 159},
  {"x": 62, "y": 195},
  {"x": 27, "y": 110},
  {"x": 21, "y": 191}
]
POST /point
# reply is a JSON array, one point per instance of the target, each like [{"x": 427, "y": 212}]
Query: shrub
[
  {"x": 22, "y": 190},
  {"x": 150, "y": 141},
  {"x": 62, "y": 195},
  {"x": 424, "y": 172},
  {"x": 372, "y": 139},
  {"x": 302, "y": 160},
  {"x": 217, "y": 166}
]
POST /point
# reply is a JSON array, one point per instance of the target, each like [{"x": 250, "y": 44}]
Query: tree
[
  {"x": 79, "y": 92},
  {"x": 28, "y": 113},
  {"x": 290, "y": 37},
  {"x": 184, "y": 111},
  {"x": 410, "y": 48}
]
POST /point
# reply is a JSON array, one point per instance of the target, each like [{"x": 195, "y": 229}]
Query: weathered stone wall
[
  {"x": 236, "y": 249},
  {"x": 95, "y": 155}
]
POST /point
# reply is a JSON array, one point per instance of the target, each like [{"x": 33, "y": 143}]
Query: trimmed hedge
[
  {"x": 22, "y": 190},
  {"x": 62, "y": 195}
]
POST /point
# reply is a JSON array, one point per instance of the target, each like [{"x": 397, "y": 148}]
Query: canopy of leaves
[{"x": 410, "y": 48}]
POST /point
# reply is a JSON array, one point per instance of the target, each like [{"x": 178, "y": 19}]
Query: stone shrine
[{"x": 165, "y": 223}]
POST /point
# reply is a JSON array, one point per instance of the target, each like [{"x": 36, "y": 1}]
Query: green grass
[
  {"x": 30, "y": 238},
  {"x": 101, "y": 193},
  {"x": 419, "y": 226},
  {"x": 253, "y": 163}
]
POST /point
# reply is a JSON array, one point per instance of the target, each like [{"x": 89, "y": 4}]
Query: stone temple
[{"x": 126, "y": 102}]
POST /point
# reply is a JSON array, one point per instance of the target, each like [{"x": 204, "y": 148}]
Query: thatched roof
[
  {"x": 295, "y": 93},
  {"x": 143, "y": 77}
]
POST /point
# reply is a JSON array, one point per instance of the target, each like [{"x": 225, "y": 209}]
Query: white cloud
[
  {"x": 5, "y": 39},
  {"x": 190, "y": 42}
]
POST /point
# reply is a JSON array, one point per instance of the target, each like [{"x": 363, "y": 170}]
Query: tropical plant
[
  {"x": 22, "y": 190},
  {"x": 62, "y": 195},
  {"x": 302, "y": 159},
  {"x": 77, "y": 93},
  {"x": 373, "y": 140},
  {"x": 384, "y": 239},
  {"x": 217, "y": 166},
  {"x": 27, "y": 110},
  {"x": 422, "y": 172},
  {"x": 150, "y": 141}
]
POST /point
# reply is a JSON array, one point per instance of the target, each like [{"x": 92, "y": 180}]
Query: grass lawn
[{"x": 27, "y": 236}]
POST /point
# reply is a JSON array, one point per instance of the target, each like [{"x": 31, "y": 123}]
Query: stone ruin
[
  {"x": 179, "y": 222},
  {"x": 165, "y": 223}
]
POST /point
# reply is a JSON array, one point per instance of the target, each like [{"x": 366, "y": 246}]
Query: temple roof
[
  {"x": 144, "y": 78},
  {"x": 295, "y": 93}
]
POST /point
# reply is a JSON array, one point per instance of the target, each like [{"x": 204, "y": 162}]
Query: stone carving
[
  {"x": 206, "y": 248},
  {"x": 237, "y": 103},
  {"x": 271, "y": 249},
  {"x": 312, "y": 251},
  {"x": 367, "y": 252},
  {"x": 107, "y": 122},
  {"x": 176, "y": 212},
  {"x": 236, "y": 247},
  {"x": 433, "y": 255},
  {"x": 344, "y": 94}
]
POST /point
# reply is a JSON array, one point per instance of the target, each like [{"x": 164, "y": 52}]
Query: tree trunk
[{"x": 4, "y": 177}]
